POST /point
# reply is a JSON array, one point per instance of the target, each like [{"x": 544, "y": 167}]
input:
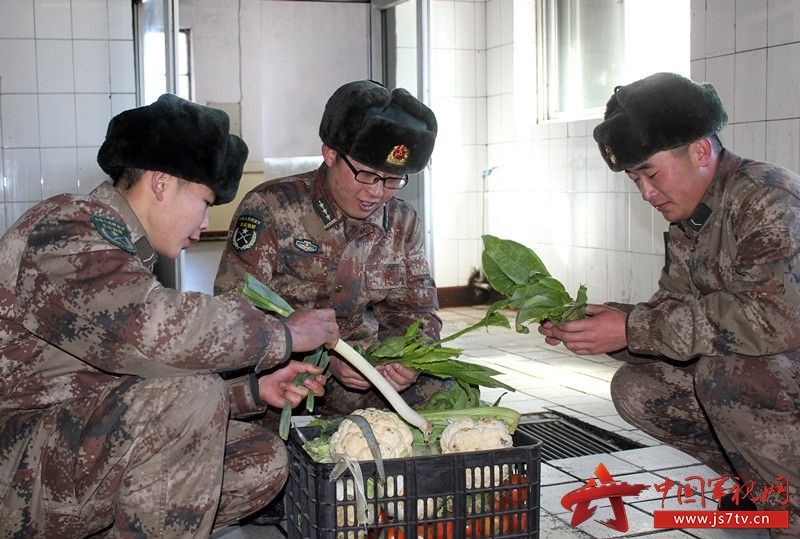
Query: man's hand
[
  {"x": 602, "y": 331},
  {"x": 277, "y": 387},
  {"x": 311, "y": 328},
  {"x": 399, "y": 377}
]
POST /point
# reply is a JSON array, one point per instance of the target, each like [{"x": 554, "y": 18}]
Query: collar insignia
[
  {"x": 611, "y": 157},
  {"x": 245, "y": 235},
  {"x": 305, "y": 245},
  {"x": 699, "y": 217},
  {"x": 324, "y": 211},
  {"x": 398, "y": 156},
  {"x": 114, "y": 232}
]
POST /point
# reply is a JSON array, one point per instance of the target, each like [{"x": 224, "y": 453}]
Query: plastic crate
[{"x": 461, "y": 495}]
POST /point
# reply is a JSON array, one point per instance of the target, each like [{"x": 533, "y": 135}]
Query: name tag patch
[
  {"x": 245, "y": 235},
  {"x": 115, "y": 232}
]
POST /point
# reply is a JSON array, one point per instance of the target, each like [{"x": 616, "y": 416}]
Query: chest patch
[
  {"x": 245, "y": 235},
  {"x": 307, "y": 246},
  {"x": 114, "y": 232}
]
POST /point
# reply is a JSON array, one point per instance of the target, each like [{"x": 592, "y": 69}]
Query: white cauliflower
[
  {"x": 467, "y": 434},
  {"x": 393, "y": 435}
]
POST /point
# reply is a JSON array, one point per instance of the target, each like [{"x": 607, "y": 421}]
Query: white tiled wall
[
  {"x": 66, "y": 67},
  {"x": 550, "y": 190}
]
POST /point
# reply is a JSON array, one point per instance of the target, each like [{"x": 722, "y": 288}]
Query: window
[
  {"x": 587, "y": 47},
  {"x": 184, "y": 89}
]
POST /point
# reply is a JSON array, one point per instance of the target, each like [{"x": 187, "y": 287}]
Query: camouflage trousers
[
  {"x": 738, "y": 415},
  {"x": 149, "y": 458}
]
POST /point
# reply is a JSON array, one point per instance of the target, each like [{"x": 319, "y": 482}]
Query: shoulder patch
[
  {"x": 245, "y": 235},
  {"x": 307, "y": 246},
  {"x": 115, "y": 232}
]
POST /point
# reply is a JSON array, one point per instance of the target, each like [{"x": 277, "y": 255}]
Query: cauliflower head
[
  {"x": 393, "y": 435},
  {"x": 467, "y": 434}
]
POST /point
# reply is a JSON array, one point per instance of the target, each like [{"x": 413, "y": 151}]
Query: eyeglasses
[{"x": 370, "y": 178}]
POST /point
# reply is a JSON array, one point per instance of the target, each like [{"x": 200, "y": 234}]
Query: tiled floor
[{"x": 554, "y": 379}]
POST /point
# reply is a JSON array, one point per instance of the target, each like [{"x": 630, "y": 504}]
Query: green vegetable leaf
[{"x": 519, "y": 274}]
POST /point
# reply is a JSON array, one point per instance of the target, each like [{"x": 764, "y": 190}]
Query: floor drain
[{"x": 563, "y": 436}]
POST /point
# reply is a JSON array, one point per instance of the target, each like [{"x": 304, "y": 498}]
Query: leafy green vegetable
[
  {"x": 318, "y": 358},
  {"x": 416, "y": 351},
  {"x": 519, "y": 274}
]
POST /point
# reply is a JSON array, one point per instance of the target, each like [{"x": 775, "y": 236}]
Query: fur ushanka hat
[
  {"x": 659, "y": 112},
  {"x": 178, "y": 137},
  {"x": 389, "y": 131}
]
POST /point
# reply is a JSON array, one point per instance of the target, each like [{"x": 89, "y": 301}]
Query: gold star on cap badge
[
  {"x": 610, "y": 154},
  {"x": 398, "y": 156}
]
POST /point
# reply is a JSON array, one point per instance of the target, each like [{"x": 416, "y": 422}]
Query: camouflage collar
[
  {"x": 728, "y": 165},
  {"x": 108, "y": 194}
]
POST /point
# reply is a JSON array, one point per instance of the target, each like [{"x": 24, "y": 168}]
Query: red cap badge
[{"x": 398, "y": 156}]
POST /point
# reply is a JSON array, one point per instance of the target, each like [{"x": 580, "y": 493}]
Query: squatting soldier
[
  {"x": 713, "y": 357},
  {"x": 337, "y": 237},
  {"x": 112, "y": 415}
]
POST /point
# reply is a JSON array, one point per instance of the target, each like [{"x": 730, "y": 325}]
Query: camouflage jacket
[
  {"x": 289, "y": 234},
  {"x": 79, "y": 306},
  {"x": 731, "y": 283}
]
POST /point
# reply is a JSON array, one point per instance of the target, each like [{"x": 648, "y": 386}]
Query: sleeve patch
[
  {"x": 115, "y": 232},
  {"x": 245, "y": 235}
]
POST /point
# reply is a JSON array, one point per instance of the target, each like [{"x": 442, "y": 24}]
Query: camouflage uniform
[
  {"x": 112, "y": 415},
  {"x": 373, "y": 273},
  {"x": 726, "y": 318}
]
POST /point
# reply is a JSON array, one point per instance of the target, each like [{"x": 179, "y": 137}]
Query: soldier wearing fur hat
[
  {"x": 713, "y": 358},
  {"x": 339, "y": 236},
  {"x": 113, "y": 416}
]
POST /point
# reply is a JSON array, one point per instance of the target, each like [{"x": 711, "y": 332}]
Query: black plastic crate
[{"x": 461, "y": 495}]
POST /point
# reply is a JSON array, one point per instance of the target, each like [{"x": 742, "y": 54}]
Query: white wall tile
[
  {"x": 481, "y": 121},
  {"x": 494, "y": 71},
  {"x": 54, "y": 65},
  {"x": 558, "y": 180},
  {"x": 17, "y": 18},
  {"x": 750, "y": 96},
  {"x": 89, "y": 19},
  {"x": 17, "y": 65},
  {"x": 719, "y": 72},
  {"x": 464, "y": 25},
  {"x": 15, "y": 210},
  {"x": 749, "y": 140},
  {"x": 57, "y": 120},
  {"x": 697, "y": 36},
  {"x": 642, "y": 271},
  {"x": 577, "y": 270},
  {"x": 443, "y": 14},
  {"x": 93, "y": 112},
  {"x": 619, "y": 276},
  {"x": 22, "y": 171},
  {"x": 493, "y": 23},
  {"x": 576, "y": 158},
  {"x": 507, "y": 117},
  {"x": 720, "y": 27},
  {"x": 697, "y": 70},
  {"x": 596, "y": 219},
  {"x": 121, "y": 102},
  {"x": 783, "y": 143},
  {"x": 641, "y": 225},
  {"x": 597, "y": 275},
  {"x": 507, "y": 69},
  {"x": 577, "y": 219},
  {"x": 59, "y": 171},
  {"x": 618, "y": 224},
  {"x": 120, "y": 19},
  {"x": 783, "y": 21},
  {"x": 783, "y": 82},
  {"x": 467, "y": 117},
  {"x": 469, "y": 215},
  {"x": 751, "y": 24},
  {"x": 445, "y": 263},
  {"x": 443, "y": 72},
  {"x": 481, "y": 73},
  {"x": 480, "y": 25},
  {"x": 465, "y": 75},
  {"x": 91, "y": 66},
  {"x": 20, "y": 120},
  {"x": 53, "y": 19},
  {"x": 90, "y": 175},
  {"x": 493, "y": 121},
  {"x": 506, "y": 22},
  {"x": 122, "y": 68},
  {"x": 469, "y": 259}
]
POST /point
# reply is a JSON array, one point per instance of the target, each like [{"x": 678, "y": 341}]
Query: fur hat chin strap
[
  {"x": 657, "y": 113},
  {"x": 181, "y": 138}
]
